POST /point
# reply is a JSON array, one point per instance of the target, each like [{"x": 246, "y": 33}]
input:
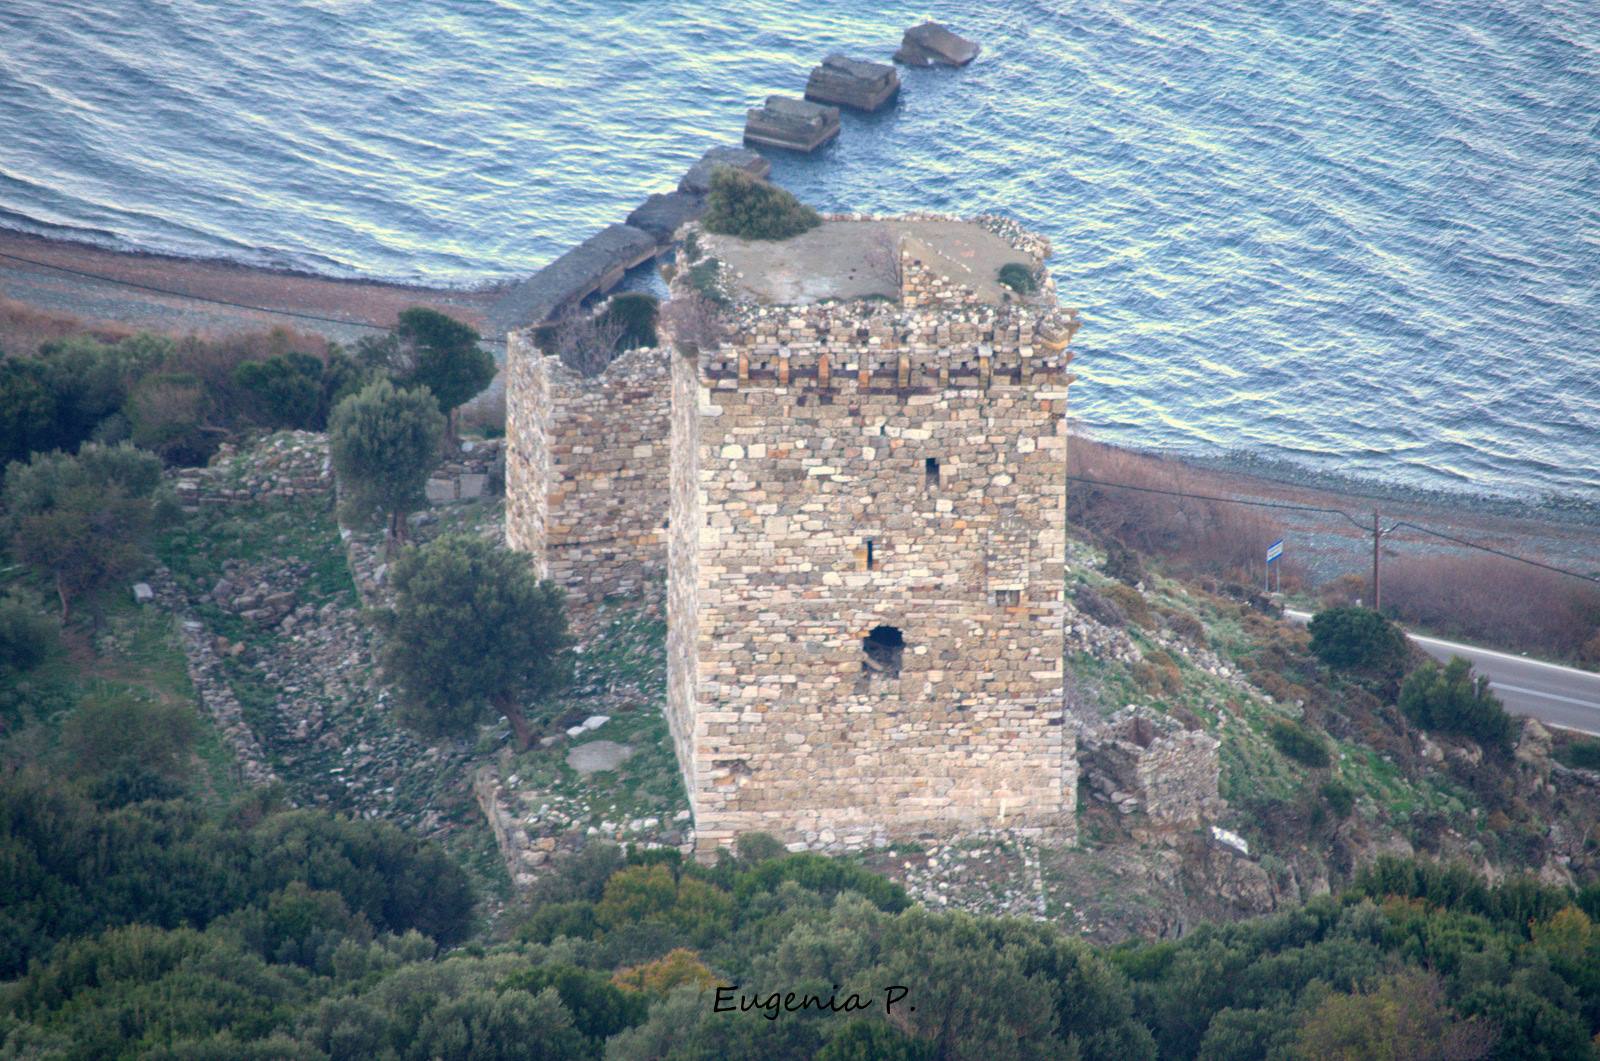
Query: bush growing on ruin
[
  {"x": 692, "y": 323},
  {"x": 636, "y": 312},
  {"x": 739, "y": 205},
  {"x": 1019, "y": 278},
  {"x": 1361, "y": 641},
  {"x": 1451, "y": 699},
  {"x": 473, "y": 635},
  {"x": 83, "y": 521},
  {"x": 585, "y": 342},
  {"x": 384, "y": 442}
]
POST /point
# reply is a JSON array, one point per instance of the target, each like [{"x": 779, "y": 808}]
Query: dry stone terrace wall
[
  {"x": 586, "y": 482},
  {"x": 857, "y": 465}
]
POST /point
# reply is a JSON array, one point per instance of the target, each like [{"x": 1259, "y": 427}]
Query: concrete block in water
[
  {"x": 793, "y": 124},
  {"x": 661, "y": 215},
  {"x": 698, "y": 180},
  {"x": 932, "y": 43},
  {"x": 853, "y": 83}
]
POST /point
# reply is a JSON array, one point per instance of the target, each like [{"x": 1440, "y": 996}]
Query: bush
[
  {"x": 635, "y": 313},
  {"x": 1123, "y": 564},
  {"x": 1451, "y": 699},
  {"x": 167, "y": 415},
  {"x": 26, "y": 636},
  {"x": 1359, "y": 640},
  {"x": 1019, "y": 278},
  {"x": 1133, "y": 605},
  {"x": 739, "y": 205},
  {"x": 1580, "y": 754},
  {"x": 1340, "y": 798},
  {"x": 1496, "y": 601},
  {"x": 1099, "y": 608},
  {"x": 127, "y": 738},
  {"x": 1299, "y": 743}
]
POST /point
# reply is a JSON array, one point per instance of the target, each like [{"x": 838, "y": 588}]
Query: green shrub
[
  {"x": 1580, "y": 754},
  {"x": 739, "y": 205},
  {"x": 1299, "y": 743},
  {"x": 1340, "y": 798},
  {"x": 26, "y": 636},
  {"x": 1451, "y": 699},
  {"x": 1359, "y": 640},
  {"x": 635, "y": 312},
  {"x": 167, "y": 414},
  {"x": 1019, "y": 278},
  {"x": 703, "y": 278}
]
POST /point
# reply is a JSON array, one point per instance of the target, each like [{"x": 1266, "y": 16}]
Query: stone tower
[{"x": 867, "y": 537}]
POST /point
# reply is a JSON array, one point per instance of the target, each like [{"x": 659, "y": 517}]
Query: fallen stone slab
[
  {"x": 662, "y": 215},
  {"x": 598, "y": 755},
  {"x": 595, "y": 265},
  {"x": 853, "y": 83},
  {"x": 698, "y": 180},
  {"x": 792, "y": 124},
  {"x": 932, "y": 43}
]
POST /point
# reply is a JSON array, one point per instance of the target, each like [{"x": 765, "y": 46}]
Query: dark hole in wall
[
  {"x": 930, "y": 472},
  {"x": 884, "y": 647}
]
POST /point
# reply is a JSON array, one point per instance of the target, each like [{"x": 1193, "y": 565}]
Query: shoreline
[
  {"x": 1560, "y": 527},
  {"x": 233, "y": 297}
]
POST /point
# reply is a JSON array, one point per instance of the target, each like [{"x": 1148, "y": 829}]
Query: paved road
[{"x": 1556, "y": 695}]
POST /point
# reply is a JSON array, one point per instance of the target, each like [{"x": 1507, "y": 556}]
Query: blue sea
[{"x": 1352, "y": 237}]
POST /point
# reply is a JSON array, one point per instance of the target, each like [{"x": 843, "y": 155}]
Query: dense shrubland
[{"x": 291, "y": 934}]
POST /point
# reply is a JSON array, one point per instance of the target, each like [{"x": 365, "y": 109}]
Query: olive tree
[
  {"x": 384, "y": 442},
  {"x": 82, "y": 520},
  {"x": 472, "y": 635}
]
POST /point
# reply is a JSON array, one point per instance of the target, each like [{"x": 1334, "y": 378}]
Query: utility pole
[{"x": 1377, "y": 592}]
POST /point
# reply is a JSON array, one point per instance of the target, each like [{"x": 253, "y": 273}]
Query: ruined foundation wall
[
  {"x": 1141, "y": 760},
  {"x": 822, "y": 518},
  {"x": 586, "y": 478}
]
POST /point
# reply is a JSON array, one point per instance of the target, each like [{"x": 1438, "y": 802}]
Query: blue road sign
[{"x": 1274, "y": 550}]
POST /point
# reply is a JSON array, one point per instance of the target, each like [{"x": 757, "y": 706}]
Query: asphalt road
[{"x": 1555, "y": 695}]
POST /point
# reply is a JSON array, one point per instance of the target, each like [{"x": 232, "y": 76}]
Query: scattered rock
[
  {"x": 142, "y": 593},
  {"x": 598, "y": 755}
]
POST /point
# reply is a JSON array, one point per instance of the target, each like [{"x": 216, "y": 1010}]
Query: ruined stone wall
[
  {"x": 866, "y": 464},
  {"x": 586, "y": 477},
  {"x": 1140, "y": 760}
]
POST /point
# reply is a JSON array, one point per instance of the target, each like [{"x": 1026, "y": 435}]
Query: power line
[
  {"x": 498, "y": 340},
  {"x": 1336, "y": 512},
  {"x": 1224, "y": 500}
]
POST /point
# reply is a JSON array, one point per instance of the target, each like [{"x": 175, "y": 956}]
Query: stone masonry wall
[
  {"x": 586, "y": 479},
  {"x": 1140, "y": 760},
  {"x": 863, "y": 464}
]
